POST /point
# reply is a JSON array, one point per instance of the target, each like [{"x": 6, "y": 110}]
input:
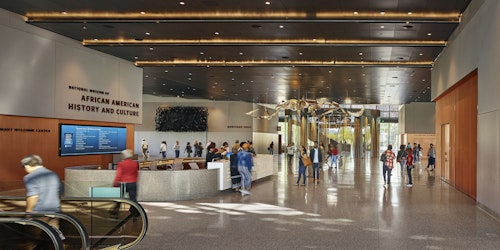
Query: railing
[
  {"x": 123, "y": 229},
  {"x": 16, "y": 234}
]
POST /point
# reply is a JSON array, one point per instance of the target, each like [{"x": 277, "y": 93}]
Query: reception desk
[
  {"x": 263, "y": 167},
  {"x": 153, "y": 185},
  {"x": 164, "y": 185}
]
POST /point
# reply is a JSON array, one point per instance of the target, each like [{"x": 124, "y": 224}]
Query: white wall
[
  {"x": 38, "y": 68},
  {"x": 227, "y": 122},
  {"x": 476, "y": 45},
  {"x": 417, "y": 118}
]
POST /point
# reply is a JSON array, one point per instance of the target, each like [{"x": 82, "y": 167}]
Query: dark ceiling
[{"x": 365, "y": 51}]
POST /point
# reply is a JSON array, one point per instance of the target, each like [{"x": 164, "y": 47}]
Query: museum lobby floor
[{"x": 349, "y": 209}]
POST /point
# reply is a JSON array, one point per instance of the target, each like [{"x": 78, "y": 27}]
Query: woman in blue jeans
[{"x": 302, "y": 168}]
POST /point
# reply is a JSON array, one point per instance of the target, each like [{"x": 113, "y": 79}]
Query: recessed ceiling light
[
  {"x": 300, "y": 53},
  {"x": 182, "y": 3},
  {"x": 429, "y": 34},
  {"x": 281, "y": 26},
  {"x": 241, "y": 53},
  {"x": 95, "y": 39},
  {"x": 147, "y": 33},
  {"x": 268, "y": 3},
  {"x": 216, "y": 33},
  {"x": 164, "y": 84},
  {"x": 382, "y": 26},
  {"x": 64, "y": 13},
  {"x": 202, "y": 53},
  {"x": 360, "y": 53},
  {"x": 166, "y": 71},
  {"x": 151, "y": 48},
  {"x": 142, "y": 13},
  {"x": 382, "y": 13},
  {"x": 355, "y": 13},
  {"x": 190, "y": 74},
  {"x": 421, "y": 54},
  {"x": 136, "y": 57},
  {"x": 410, "y": 13}
]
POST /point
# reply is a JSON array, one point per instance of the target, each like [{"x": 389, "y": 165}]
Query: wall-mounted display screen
[{"x": 87, "y": 140}]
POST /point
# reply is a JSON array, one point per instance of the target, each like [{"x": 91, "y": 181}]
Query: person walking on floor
[
  {"x": 335, "y": 156},
  {"x": 431, "y": 161},
  {"x": 302, "y": 167},
  {"x": 127, "y": 173},
  {"x": 387, "y": 158},
  {"x": 409, "y": 166},
  {"x": 290, "y": 152},
  {"x": 316, "y": 158},
  {"x": 245, "y": 164},
  {"x": 271, "y": 148},
  {"x": 401, "y": 158}
]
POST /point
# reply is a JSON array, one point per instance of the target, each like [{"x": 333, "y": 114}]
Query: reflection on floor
[{"x": 349, "y": 209}]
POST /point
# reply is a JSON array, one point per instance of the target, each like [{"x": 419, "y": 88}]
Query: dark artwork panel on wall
[{"x": 181, "y": 119}]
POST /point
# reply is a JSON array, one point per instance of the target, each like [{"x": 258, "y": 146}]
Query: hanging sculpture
[{"x": 314, "y": 107}]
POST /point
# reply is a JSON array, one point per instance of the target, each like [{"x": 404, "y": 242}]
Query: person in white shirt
[
  {"x": 163, "y": 149},
  {"x": 145, "y": 148},
  {"x": 177, "y": 149},
  {"x": 317, "y": 159}
]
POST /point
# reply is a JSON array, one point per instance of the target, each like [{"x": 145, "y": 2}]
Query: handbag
[{"x": 306, "y": 161}]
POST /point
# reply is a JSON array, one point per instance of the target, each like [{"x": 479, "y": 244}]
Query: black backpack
[{"x": 383, "y": 157}]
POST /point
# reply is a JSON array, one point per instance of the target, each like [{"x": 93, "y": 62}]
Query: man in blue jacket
[{"x": 245, "y": 164}]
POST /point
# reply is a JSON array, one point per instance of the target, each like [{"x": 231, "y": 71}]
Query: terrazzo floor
[{"x": 349, "y": 209}]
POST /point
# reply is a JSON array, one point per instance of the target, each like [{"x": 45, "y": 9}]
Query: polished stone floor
[{"x": 349, "y": 209}]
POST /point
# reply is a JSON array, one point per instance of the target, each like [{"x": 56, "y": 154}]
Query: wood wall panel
[
  {"x": 458, "y": 107},
  {"x": 41, "y": 136}
]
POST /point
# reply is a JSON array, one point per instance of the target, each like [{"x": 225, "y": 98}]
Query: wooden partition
[
  {"x": 456, "y": 110},
  {"x": 21, "y": 136}
]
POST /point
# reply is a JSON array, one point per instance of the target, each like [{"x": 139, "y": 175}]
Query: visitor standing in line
[
  {"x": 145, "y": 149},
  {"x": 177, "y": 149}
]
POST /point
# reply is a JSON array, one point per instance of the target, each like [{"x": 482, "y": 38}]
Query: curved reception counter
[
  {"x": 166, "y": 185},
  {"x": 160, "y": 185}
]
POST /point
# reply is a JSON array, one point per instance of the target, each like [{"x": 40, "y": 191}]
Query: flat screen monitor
[{"x": 89, "y": 140}]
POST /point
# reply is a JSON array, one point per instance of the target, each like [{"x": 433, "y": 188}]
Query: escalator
[{"x": 102, "y": 228}]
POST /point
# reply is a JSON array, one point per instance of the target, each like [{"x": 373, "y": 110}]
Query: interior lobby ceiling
[{"x": 349, "y": 51}]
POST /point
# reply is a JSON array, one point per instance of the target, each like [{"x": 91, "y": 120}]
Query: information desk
[
  {"x": 263, "y": 167},
  {"x": 153, "y": 185}
]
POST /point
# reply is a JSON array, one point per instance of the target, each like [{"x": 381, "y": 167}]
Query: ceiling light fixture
[
  {"x": 318, "y": 42},
  {"x": 269, "y": 63},
  {"x": 331, "y": 16}
]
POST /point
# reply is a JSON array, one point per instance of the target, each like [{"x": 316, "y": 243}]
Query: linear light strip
[
  {"x": 267, "y": 63},
  {"x": 230, "y": 16},
  {"x": 304, "y": 42}
]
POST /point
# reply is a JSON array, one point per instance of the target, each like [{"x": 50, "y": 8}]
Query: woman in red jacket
[
  {"x": 409, "y": 166},
  {"x": 127, "y": 173}
]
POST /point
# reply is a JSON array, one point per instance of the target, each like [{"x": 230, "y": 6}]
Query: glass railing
[{"x": 109, "y": 222}]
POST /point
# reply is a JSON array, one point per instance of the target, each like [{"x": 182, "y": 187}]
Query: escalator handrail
[
  {"x": 71, "y": 219},
  {"x": 49, "y": 230}
]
